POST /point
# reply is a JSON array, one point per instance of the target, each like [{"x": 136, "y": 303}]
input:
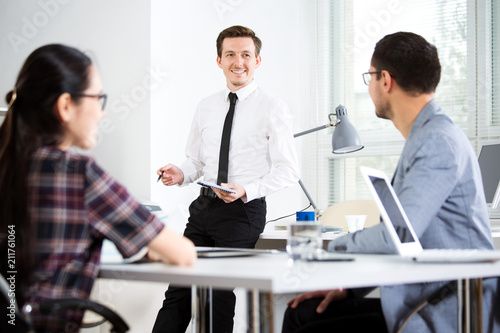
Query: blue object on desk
[{"x": 305, "y": 216}]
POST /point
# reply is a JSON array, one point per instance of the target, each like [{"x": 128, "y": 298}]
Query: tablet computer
[{"x": 227, "y": 252}]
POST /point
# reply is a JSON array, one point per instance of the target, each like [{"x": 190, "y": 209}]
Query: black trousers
[
  {"x": 349, "y": 315},
  {"x": 212, "y": 222}
]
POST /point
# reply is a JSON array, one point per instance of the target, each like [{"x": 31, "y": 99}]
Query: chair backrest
[
  {"x": 23, "y": 324},
  {"x": 334, "y": 215}
]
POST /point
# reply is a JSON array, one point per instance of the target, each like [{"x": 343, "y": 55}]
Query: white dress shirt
[{"x": 262, "y": 154}]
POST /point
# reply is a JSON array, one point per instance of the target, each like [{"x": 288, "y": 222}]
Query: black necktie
[{"x": 224, "y": 145}]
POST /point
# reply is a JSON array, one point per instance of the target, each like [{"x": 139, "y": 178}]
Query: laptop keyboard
[{"x": 457, "y": 255}]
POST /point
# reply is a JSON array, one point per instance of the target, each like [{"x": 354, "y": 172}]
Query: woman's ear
[{"x": 64, "y": 107}]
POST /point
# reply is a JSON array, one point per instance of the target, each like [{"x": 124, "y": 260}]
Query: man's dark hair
[
  {"x": 411, "y": 61},
  {"x": 238, "y": 31}
]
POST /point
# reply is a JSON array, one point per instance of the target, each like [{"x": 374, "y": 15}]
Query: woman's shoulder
[{"x": 66, "y": 159}]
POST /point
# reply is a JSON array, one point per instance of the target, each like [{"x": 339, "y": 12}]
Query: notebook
[
  {"x": 209, "y": 185},
  {"x": 402, "y": 233},
  {"x": 228, "y": 252}
]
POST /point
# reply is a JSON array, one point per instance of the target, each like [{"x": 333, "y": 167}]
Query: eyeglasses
[
  {"x": 367, "y": 77},
  {"x": 102, "y": 98}
]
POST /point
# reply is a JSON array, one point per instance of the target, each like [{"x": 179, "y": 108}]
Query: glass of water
[{"x": 304, "y": 240}]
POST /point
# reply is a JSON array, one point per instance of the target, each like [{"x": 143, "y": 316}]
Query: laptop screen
[
  {"x": 392, "y": 209},
  {"x": 489, "y": 162}
]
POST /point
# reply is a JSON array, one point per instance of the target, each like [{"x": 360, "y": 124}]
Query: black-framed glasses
[
  {"x": 367, "y": 77},
  {"x": 101, "y": 97}
]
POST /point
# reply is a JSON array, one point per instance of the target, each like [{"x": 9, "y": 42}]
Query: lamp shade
[{"x": 345, "y": 138}]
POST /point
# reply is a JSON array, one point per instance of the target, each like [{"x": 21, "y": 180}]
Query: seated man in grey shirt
[{"x": 438, "y": 182}]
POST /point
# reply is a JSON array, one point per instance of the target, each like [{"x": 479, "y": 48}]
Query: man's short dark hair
[
  {"x": 411, "y": 61},
  {"x": 238, "y": 31}
]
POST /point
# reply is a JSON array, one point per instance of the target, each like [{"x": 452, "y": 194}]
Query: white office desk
[{"x": 267, "y": 275}]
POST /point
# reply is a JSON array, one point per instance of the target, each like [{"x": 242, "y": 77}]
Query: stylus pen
[{"x": 159, "y": 177}]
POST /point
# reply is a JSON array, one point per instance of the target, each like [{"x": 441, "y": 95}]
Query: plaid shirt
[{"x": 75, "y": 205}]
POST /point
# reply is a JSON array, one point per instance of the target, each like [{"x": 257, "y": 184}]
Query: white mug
[{"x": 355, "y": 222}]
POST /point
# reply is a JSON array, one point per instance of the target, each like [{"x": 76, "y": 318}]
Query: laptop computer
[{"x": 402, "y": 233}]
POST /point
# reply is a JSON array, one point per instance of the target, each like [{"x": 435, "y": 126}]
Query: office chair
[
  {"x": 448, "y": 290},
  {"x": 334, "y": 215},
  {"x": 24, "y": 325}
]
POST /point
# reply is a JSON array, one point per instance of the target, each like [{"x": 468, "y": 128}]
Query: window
[
  {"x": 495, "y": 55},
  {"x": 346, "y": 33}
]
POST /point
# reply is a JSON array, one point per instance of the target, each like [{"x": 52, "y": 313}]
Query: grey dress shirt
[{"x": 438, "y": 182}]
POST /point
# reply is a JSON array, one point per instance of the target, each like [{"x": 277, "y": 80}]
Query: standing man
[
  {"x": 438, "y": 182},
  {"x": 256, "y": 158}
]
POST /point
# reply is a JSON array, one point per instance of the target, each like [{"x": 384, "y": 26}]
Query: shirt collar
[
  {"x": 242, "y": 93},
  {"x": 430, "y": 110}
]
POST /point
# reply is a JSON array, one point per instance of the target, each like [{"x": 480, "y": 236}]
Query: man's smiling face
[{"x": 238, "y": 61}]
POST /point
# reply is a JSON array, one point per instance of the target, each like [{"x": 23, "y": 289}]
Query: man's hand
[
  {"x": 230, "y": 197},
  {"x": 327, "y": 295},
  {"x": 170, "y": 175}
]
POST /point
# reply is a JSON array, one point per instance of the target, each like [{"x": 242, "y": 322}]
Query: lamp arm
[
  {"x": 307, "y": 195},
  {"x": 312, "y": 130},
  {"x": 319, "y": 128}
]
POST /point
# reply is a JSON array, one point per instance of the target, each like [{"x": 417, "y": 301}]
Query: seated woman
[{"x": 60, "y": 205}]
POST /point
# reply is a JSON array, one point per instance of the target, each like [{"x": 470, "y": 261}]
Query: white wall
[
  {"x": 157, "y": 60},
  {"x": 183, "y": 38},
  {"x": 117, "y": 37}
]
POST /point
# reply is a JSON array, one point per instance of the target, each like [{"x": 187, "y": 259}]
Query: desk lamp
[{"x": 345, "y": 139}]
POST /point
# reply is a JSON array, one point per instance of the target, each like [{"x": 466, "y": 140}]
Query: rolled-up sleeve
[{"x": 115, "y": 215}]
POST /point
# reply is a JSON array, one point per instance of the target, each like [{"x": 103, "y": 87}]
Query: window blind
[
  {"x": 346, "y": 32},
  {"x": 495, "y": 56}
]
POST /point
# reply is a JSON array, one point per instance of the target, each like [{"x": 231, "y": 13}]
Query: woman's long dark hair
[{"x": 32, "y": 121}]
